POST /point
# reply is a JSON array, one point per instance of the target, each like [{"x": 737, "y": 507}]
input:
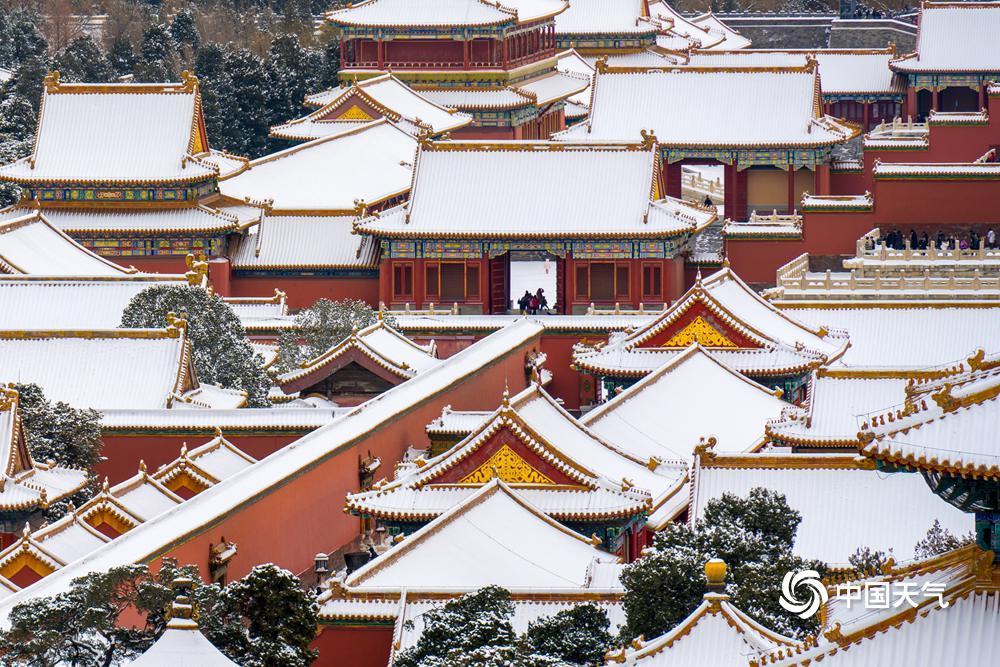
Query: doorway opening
[{"x": 531, "y": 270}]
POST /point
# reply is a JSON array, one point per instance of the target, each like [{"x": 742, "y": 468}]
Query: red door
[{"x": 499, "y": 284}]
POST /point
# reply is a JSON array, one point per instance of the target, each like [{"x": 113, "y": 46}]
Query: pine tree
[
  {"x": 81, "y": 60},
  {"x": 184, "y": 30},
  {"x": 578, "y": 635},
  {"x": 754, "y": 535},
  {"x": 214, "y": 86},
  {"x": 222, "y": 355},
  {"x": 323, "y": 325},
  {"x": 289, "y": 77},
  {"x": 280, "y": 617},
  {"x": 331, "y": 64},
  {"x": 20, "y": 38},
  {"x": 157, "y": 61},
  {"x": 121, "y": 55},
  {"x": 263, "y": 619},
  {"x": 244, "y": 104},
  {"x": 464, "y": 625},
  {"x": 59, "y": 432}
]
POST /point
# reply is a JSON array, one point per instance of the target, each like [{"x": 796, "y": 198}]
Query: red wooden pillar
[
  {"x": 561, "y": 286},
  {"x": 381, "y": 53},
  {"x": 982, "y": 96},
  {"x": 823, "y": 179},
  {"x": 735, "y": 194},
  {"x": 910, "y": 108},
  {"x": 934, "y": 99},
  {"x": 740, "y": 198},
  {"x": 419, "y": 284},
  {"x": 505, "y": 51},
  {"x": 385, "y": 282},
  {"x": 672, "y": 181},
  {"x": 343, "y": 51},
  {"x": 465, "y": 54},
  {"x": 220, "y": 275},
  {"x": 791, "y": 189},
  {"x": 674, "y": 278},
  {"x": 866, "y": 115}
]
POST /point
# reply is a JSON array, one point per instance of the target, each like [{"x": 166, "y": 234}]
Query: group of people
[
  {"x": 532, "y": 304},
  {"x": 896, "y": 240}
]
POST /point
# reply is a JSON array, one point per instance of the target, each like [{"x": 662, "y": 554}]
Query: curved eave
[
  {"x": 520, "y": 235},
  {"x": 304, "y": 267},
  {"x": 933, "y": 464}
]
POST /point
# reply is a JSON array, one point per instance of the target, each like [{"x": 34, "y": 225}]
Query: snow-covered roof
[
  {"x": 385, "y": 96},
  {"x": 836, "y": 399},
  {"x": 280, "y": 418},
  {"x": 470, "y": 98},
  {"x": 378, "y": 345},
  {"x": 691, "y": 397},
  {"x": 962, "y": 626},
  {"x": 372, "y": 163},
  {"x": 721, "y": 36},
  {"x": 26, "y": 484},
  {"x": 118, "y": 509},
  {"x": 787, "y": 109},
  {"x": 716, "y": 633},
  {"x": 515, "y": 545},
  {"x": 200, "y": 219},
  {"x": 282, "y": 242},
  {"x": 678, "y": 33},
  {"x": 955, "y": 37},
  {"x": 109, "y": 368},
  {"x": 29, "y": 244},
  {"x": 116, "y": 133},
  {"x": 182, "y": 644},
  {"x": 950, "y": 430},
  {"x": 980, "y": 169},
  {"x": 554, "y": 86},
  {"x": 71, "y": 303},
  {"x": 601, "y": 17},
  {"x": 482, "y": 189},
  {"x": 844, "y": 501},
  {"x": 551, "y": 461},
  {"x": 905, "y": 335},
  {"x": 435, "y": 13},
  {"x": 746, "y": 333},
  {"x": 842, "y": 71},
  {"x": 220, "y": 500}
]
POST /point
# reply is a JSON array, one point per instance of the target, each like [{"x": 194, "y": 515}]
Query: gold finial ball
[{"x": 715, "y": 571}]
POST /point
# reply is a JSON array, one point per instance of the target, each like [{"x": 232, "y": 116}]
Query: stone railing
[
  {"x": 696, "y": 186},
  {"x": 933, "y": 259},
  {"x": 618, "y": 310},
  {"x": 813, "y": 284},
  {"x": 897, "y": 129}
]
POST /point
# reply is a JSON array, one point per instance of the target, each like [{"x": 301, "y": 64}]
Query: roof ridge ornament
[{"x": 51, "y": 81}]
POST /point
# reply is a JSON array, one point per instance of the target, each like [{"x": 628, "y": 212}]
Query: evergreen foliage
[
  {"x": 578, "y": 635},
  {"x": 321, "y": 326},
  {"x": 157, "y": 60},
  {"x": 222, "y": 355},
  {"x": 263, "y": 619},
  {"x": 753, "y": 535},
  {"x": 939, "y": 540},
  {"x": 475, "y": 631},
  {"x": 121, "y": 55},
  {"x": 59, "y": 432},
  {"x": 82, "y": 60}
]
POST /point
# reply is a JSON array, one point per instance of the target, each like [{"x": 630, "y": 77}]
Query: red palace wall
[
  {"x": 298, "y": 517},
  {"x": 757, "y": 261},
  {"x": 305, "y": 291},
  {"x": 353, "y": 646},
  {"x": 153, "y": 264}
]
